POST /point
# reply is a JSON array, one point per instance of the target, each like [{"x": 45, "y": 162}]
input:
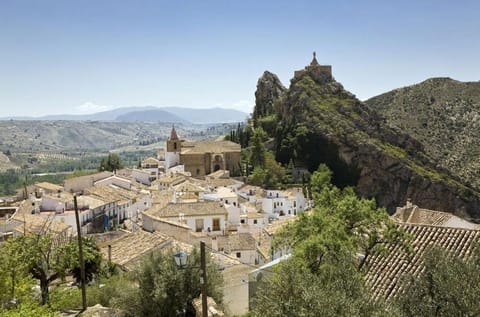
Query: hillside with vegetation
[
  {"x": 32, "y": 143},
  {"x": 317, "y": 121},
  {"x": 444, "y": 115},
  {"x": 48, "y": 150}
]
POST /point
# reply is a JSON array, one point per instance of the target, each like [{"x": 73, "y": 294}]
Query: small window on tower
[{"x": 175, "y": 145}]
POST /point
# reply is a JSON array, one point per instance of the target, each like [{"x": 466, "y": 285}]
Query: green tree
[
  {"x": 327, "y": 271},
  {"x": 270, "y": 176},
  {"x": 258, "y": 151},
  {"x": 46, "y": 259},
  {"x": 340, "y": 221},
  {"x": 293, "y": 290},
  {"x": 288, "y": 178},
  {"x": 92, "y": 258},
  {"x": 448, "y": 286},
  {"x": 15, "y": 282},
  {"x": 166, "y": 290},
  {"x": 110, "y": 163}
]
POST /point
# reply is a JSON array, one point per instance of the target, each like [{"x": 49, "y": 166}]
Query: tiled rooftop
[
  {"x": 222, "y": 182},
  {"x": 49, "y": 186},
  {"x": 416, "y": 215},
  {"x": 37, "y": 224},
  {"x": 129, "y": 248},
  {"x": 188, "y": 209},
  {"x": 109, "y": 193},
  {"x": 385, "y": 271},
  {"x": 187, "y": 186},
  {"x": 239, "y": 241},
  {"x": 64, "y": 197},
  {"x": 209, "y": 147}
]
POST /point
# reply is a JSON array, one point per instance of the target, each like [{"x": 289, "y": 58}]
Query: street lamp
[
  {"x": 181, "y": 262},
  {"x": 181, "y": 259}
]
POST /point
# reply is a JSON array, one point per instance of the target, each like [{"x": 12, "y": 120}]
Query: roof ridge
[{"x": 433, "y": 225}]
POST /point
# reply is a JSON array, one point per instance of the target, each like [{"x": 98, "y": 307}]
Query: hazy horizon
[
  {"x": 62, "y": 57},
  {"x": 133, "y": 108}
]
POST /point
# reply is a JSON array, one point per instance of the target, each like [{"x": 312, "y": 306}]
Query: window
[
  {"x": 242, "y": 220},
  {"x": 198, "y": 171},
  {"x": 198, "y": 225},
  {"x": 239, "y": 254},
  {"x": 174, "y": 145},
  {"x": 216, "y": 224},
  {"x": 294, "y": 203},
  {"x": 254, "y": 221}
]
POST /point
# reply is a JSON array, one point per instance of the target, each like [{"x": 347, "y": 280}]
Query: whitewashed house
[
  {"x": 143, "y": 176},
  {"x": 241, "y": 246},
  {"x": 129, "y": 203},
  {"x": 201, "y": 217},
  {"x": 288, "y": 203},
  {"x": 227, "y": 195},
  {"x": 251, "y": 193},
  {"x": 78, "y": 184},
  {"x": 252, "y": 222},
  {"x": 170, "y": 180},
  {"x": 95, "y": 215},
  {"x": 116, "y": 181}
]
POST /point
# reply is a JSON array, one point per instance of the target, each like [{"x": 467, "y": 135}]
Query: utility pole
[
  {"x": 80, "y": 251},
  {"x": 203, "y": 267}
]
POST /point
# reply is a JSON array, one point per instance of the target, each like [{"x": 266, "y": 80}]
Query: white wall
[
  {"x": 207, "y": 222},
  {"x": 141, "y": 177},
  {"x": 141, "y": 204},
  {"x": 246, "y": 256},
  {"x": 117, "y": 181},
  {"x": 171, "y": 159},
  {"x": 51, "y": 204},
  {"x": 233, "y": 214}
]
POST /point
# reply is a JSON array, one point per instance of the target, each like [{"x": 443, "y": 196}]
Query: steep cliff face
[
  {"x": 443, "y": 114},
  {"x": 319, "y": 121},
  {"x": 269, "y": 89}
]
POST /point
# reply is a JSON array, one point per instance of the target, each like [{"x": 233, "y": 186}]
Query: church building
[{"x": 201, "y": 158}]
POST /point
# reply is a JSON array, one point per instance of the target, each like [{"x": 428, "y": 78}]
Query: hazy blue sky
[{"x": 82, "y": 56}]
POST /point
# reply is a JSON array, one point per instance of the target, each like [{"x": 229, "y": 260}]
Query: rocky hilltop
[
  {"x": 444, "y": 115},
  {"x": 317, "y": 121}
]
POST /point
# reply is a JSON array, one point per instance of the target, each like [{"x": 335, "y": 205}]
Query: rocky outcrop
[
  {"x": 318, "y": 121},
  {"x": 269, "y": 89},
  {"x": 443, "y": 114}
]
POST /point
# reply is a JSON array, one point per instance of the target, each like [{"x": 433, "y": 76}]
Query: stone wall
[{"x": 196, "y": 164}]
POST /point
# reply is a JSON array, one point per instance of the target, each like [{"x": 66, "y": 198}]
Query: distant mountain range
[{"x": 152, "y": 114}]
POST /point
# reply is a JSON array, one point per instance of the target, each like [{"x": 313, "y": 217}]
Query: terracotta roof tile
[
  {"x": 385, "y": 271},
  {"x": 209, "y": 147},
  {"x": 129, "y": 248},
  {"x": 188, "y": 209}
]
